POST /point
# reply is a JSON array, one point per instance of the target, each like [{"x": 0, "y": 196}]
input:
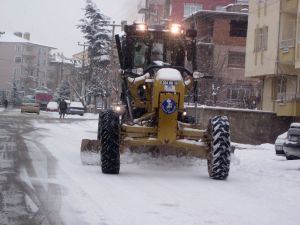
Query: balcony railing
[
  {"x": 288, "y": 43},
  {"x": 287, "y": 97}
]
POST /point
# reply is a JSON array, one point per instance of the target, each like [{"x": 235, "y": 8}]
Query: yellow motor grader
[{"x": 155, "y": 81}]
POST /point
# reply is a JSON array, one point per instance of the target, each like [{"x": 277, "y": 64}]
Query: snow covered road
[{"x": 262, "y": 189}]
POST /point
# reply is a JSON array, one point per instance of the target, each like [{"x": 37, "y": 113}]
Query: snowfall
[{"x": 262, "y": 188}]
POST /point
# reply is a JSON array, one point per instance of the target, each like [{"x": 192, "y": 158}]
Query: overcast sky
[{"x": 53, "y": 22}]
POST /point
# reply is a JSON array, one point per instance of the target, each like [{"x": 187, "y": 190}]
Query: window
[
  {"x": 298, "y": 23},
  {"x": 18, "y": 60},
  {"x": 238, "y": 28},
  {"x": 265, "y": 7},
  {"x": 140, "y": 50},
  {"x": 17, "y": 71},
  {"x": 261, "y": 39},
  {"x": 190, "y": 8},
  {"x": 288, "y": 29},
  {"x": 279, "y": 85},
  {"x": 220, "y": 8},
  {"x": 18, "y": 48},
  {"x": 236, "y": 59}
]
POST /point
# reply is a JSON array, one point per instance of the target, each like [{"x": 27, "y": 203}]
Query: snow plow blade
[{"x": 90, "y": 152}]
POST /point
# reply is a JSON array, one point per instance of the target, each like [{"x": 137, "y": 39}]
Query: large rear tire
[
  {"x": 218, "y": 161},
  {"x": 110, "y": 135}
]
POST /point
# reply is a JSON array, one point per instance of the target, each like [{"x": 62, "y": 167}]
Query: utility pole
[
  {"x": 84, "y": 77},
  {"x": 112, "y": 59}
]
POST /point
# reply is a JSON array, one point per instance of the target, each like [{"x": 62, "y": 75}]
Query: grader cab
[{"x": 155, "y": 80}]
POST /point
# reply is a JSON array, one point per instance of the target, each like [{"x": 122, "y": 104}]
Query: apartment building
[
  {"x": 61, "y": 69},
  {"x": 273, "y": 53},
  {"x": 221, "y": 46},
  {"x": 23, "y": 63}
]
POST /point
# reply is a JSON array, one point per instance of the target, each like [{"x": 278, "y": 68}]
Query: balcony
[
  {"x": 286, "y": 44},
  {"x": 287, "y": 51},
  {"x": 287, "y": 104}
]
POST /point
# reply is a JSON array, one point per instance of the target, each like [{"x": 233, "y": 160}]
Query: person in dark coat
[
  {"x": 5, "y": 103},
  {"x": 63, "y": 106}
]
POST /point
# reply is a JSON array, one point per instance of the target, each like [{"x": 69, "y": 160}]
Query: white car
[
  {"x": 291, "y": 145},
  {"x": 76, "y": 108},
  {"x": 52, "y": 107},
  {"x": 279, "y": 144}
]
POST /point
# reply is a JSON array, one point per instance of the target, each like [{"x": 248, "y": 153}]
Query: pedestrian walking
[
  {"x": 5, "y": 103},
  {"x": 63, "y": 106}
]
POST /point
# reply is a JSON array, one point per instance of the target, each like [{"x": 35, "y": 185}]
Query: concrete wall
[{"x": 247, "y": 126}]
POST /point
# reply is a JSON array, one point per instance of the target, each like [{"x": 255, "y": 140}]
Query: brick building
[{"x": 221, "y": 44}]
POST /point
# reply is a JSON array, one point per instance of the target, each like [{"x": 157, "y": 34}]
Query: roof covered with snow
[
  {"x": 57, "y": 57},
  {"x": 213, "y": 12},
  {"x": 11, "y": 38}
]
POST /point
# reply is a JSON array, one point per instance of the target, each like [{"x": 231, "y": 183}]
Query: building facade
[
  {"x": 273, "y": 53},
  {"x": 62, "y": 69},
  {"x": 221, "y": 46},
  {"x": 23, "y": 63}
]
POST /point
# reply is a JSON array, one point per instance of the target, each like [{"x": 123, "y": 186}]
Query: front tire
[
  {"x": 110, "y": 135},
  {"x": 218, "y": 161}
]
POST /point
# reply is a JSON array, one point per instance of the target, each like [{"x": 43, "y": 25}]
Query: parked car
[
  {"x": 291, "y": 145},
  {"x": 52, "y": 107},
  {"x": 76, "y": 108},
  {"x": 279, "y": 144},
  {"x": 30, "y": 106}
]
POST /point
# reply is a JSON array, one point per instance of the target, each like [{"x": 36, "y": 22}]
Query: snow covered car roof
[
  {"x": 295, "y": 125},
  {"x": 76, "y": 104}
]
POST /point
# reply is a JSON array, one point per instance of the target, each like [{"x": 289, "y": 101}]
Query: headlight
[
  {"x": 176, "y": 28},
  {"x": 118, "y": 109},
  {"x": 184, "y": 113},
  {"x": 141, "y": 27}
]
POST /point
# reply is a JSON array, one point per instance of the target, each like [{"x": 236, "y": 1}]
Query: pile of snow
[{"x": 168, "y": 74}]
